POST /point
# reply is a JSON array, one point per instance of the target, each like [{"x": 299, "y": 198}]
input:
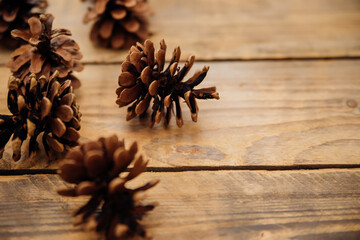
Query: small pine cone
[
  {"x": 144, "y": 78},
  {"x": 118, "y": 23},
  {"x": 95, "y": 170},
  {"x": 14, "y": 15},
  {"x": 40, "y": 106},
  {"x": 46, "y": 51}
]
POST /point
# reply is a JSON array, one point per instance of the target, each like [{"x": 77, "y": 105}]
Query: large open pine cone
[
  {"x": 144, "y": 78},
  {"x": 40, "y": 106},
  {"x": 47, "y": 50},
  {"x": 95, "y": 170},
  {"x": 118, "y": 23},
  {"x": 14, "y": 14}
]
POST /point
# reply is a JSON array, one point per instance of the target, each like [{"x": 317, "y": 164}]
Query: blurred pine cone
[
  {"x": 40, "y": 106},
  {"x": 95, "y": 170},
  {"x": 118, "y": 23},
  {"x": 47, "y": 50},
  {"x": 15, "y": 15},
  {"x": 144, "y": 78}
]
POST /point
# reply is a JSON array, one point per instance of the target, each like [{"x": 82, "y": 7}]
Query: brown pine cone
[
  {"x": 47, "y": 50},
  {"x": 144, "y": 78},
  {"x": 118, "y": 23},
  {"x": 40, "y": 106},
  {"x": 14, "y": 14},
  {"x": 95, "y": 170}
]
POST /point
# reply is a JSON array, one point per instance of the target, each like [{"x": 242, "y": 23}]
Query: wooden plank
[
  {"x": 317, "y": 204},
  {"x": 281, "y": 113},
  {"x": 232, "y": 29}
]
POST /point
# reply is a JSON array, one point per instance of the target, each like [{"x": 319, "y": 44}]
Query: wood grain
[
  {"x": 317, "y": 204},
  {"x": 232, "y": 29},
  {"x": 281, "y": 113}
]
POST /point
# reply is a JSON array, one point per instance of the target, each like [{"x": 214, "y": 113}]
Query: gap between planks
[
  {"x": 235, "y": 60},
  {"x": 17, "y": 172}
]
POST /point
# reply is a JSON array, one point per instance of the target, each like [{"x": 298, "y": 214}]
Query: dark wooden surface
[{"x": 288, "y": 74}]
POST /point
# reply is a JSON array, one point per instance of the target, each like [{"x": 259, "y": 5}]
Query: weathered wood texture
[
  {"x": 317, "y": 204},
  {"x": 233, "y": 29},
  {"x": 280, "y": 113}
]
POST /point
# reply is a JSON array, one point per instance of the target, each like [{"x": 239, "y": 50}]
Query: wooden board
[
  {"x": 281, "y": 113},
  {"x": 293, "y": 108},
  {"x": 317, "y": 204},
  {"x": 233, "y": 29}
]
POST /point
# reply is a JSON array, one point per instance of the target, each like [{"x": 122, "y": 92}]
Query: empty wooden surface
[
  {"x": 295, "y": 105},
  {"x": 317, "y": 204},
  {"x": 233, "y": 29}
]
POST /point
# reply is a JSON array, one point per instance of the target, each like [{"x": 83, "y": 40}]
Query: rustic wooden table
[{"x": 278, "y": 157}]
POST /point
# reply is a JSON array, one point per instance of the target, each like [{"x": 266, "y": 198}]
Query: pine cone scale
[
  {"x": 68, "y": 99},
  {"x": 145, "y": 75},
  {"x": 106, "y": 29},
  {"x": 55, "y": 144},
  {"x": 58, "y": 127},
  {"x": 126, "y": 66},
  {"x": 128, "y": 95},
  {"x": 100, "y": 6},
  {"x": 64, "y": 112},
  {"x": 21, "y": 34},
  {"x": 71, "y": 134},
  {"x": 131, "y": 25},
  {"x": 10, "y": 16},
  {"x": 118, "y": 14},
  {"x": 127, "y": 79},
  {"x": 94, "y": 163},
  {"x": 143, "y": 105},
  {"x": 36, "y": 63},
  {"x": 117, "y": 40},
  {"x": 3, "y": 26},
  {"x": 35, "y": 29},
  {"x": 20, "y": 61},
  {"x": 72, "y": 171}
]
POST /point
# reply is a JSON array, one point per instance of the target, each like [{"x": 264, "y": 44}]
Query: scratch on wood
[{"x": 200, "y": 152}]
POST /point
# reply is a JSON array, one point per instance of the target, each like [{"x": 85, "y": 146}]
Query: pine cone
[
  {"x": 118, "y": 23},
  {"x": 47, "y": 50},
  {"x": 143, "y": 78},
  {"x": 95, "y": 170},
  {"x": 14, "y": 15},
  {"x": 40, "y": 105}
]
